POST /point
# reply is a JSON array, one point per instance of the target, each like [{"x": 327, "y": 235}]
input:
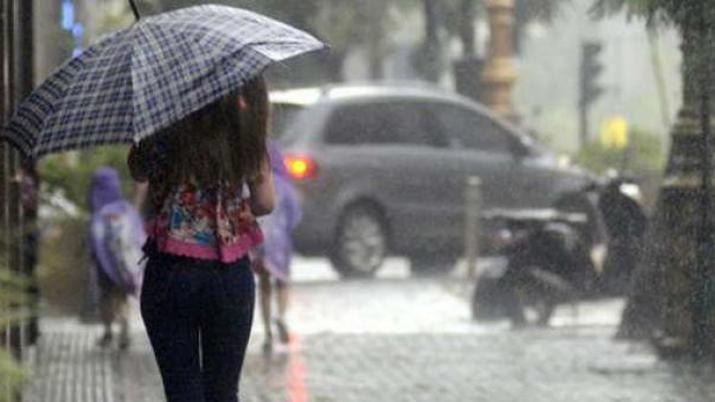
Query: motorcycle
[{"x": 585, "y": 247}]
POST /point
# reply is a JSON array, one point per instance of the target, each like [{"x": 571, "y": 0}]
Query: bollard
[{"x": 471, "y": 227}]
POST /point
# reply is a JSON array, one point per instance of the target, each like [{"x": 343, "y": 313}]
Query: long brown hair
[{"x": 225, "y": 142}]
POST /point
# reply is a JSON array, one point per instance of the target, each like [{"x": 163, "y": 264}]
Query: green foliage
[
  {"x": 71, "y": 173},
  {"x": 639, "y": 8},
  {"x": 65, "y": 262},
  {"x": 644, "y": 155},
  {"x": 678, "y": 12},
  {"x": 645, "y": 159},
  {"x": 538, "y": 10},
  {"x": 113, "y": 16},
  {"x": 11, "y": 376},
  {"x": 525, "y": 11},
  {"x": 11, "y": 297},
  {"x": 64, "y": 255}
]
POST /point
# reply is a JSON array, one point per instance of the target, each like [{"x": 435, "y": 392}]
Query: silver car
[{"x": 382, "y": 170}]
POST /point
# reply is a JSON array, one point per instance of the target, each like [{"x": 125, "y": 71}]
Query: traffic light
[
  {"x": 589, "y": 90},
  {"x": 590, "y": 70}
]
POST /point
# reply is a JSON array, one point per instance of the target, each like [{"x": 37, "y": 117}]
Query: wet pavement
[{"x": 396, "y": 338}]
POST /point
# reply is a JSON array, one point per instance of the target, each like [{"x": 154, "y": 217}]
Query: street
[
  {"x": 394, "y": 338},
  {"x": 574, "y": 138}
]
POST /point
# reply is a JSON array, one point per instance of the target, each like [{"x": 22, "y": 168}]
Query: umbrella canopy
[{"x": 141, "y": 79}]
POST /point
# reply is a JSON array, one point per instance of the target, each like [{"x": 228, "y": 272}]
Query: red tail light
[{"x": 301, "y": 167}]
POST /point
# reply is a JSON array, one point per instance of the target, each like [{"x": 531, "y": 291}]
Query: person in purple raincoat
[
  {"x": 116, "y": 237},
  {"x": 272, "y": 259}
]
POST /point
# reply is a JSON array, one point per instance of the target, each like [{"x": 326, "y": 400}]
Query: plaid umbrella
[{"x": 141, "y": 79}]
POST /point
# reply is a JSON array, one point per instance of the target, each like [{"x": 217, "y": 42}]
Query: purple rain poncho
[
  {"x": 277, "y": 227},
  {"x": 116, "y": 234}
]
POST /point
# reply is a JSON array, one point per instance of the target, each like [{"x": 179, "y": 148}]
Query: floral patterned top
[{"x": 206, "y": 223}]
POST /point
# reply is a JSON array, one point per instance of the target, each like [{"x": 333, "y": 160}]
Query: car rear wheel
[{"x": 360, "y": 243}]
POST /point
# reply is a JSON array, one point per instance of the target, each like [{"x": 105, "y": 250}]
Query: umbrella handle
[{"x": 135, "y": 10}]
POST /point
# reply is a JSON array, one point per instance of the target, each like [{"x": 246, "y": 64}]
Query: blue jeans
[{"x": 198, "y": 315}]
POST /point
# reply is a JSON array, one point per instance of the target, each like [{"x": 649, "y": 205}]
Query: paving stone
[{"x": 390, "y": 340}]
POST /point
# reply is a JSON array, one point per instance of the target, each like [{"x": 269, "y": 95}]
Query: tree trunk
[
  {"x": 468, "y": 69},
  {"x": 466, "y": 28},
  {"x": 427, "y": 61},
  {"x": 642, "y": 317},
  {"x": 659, "y": 305},
  {"x": 376, "y": 42}
]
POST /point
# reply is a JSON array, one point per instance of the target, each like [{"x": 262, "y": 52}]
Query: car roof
[
  {"x": 347, "y": 92},
  {"x": 338, "y": 93}
]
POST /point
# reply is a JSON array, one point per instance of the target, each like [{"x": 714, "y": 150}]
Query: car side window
[
  {"x": 357, "y": 124},
  {"x": 412, "y": 125},
  {"x": 471, "y": 130},
  {"x": 385, "y": 122}
]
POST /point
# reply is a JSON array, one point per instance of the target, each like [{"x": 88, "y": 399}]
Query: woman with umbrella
[
  {"x": 185, "y": 88},
  {"x": 171, "y": 85},
  {"x": 209, "y": 176}
]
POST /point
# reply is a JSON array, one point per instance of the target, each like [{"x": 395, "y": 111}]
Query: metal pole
[
  {"x": 8, "y": 26},
  {"x": 23, "y": 82},
  {"x": 7, "y": 71},
  {"x": 6, "y": 392},
  {"x": 471, "y": 227},
  {"x": 703, "y": 294},
  {"x": 583, "y": 124}
]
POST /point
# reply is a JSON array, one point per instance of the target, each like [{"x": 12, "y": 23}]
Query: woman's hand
[{"x": 262, "y": 191}]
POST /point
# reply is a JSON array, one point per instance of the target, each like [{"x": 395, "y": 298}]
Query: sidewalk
[
  {"x": 391, "y": 340},
  {"x": 567, "y": 364}
]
